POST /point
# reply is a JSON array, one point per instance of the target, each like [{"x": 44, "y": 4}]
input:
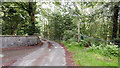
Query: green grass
[{"x": 84, "y": 58}]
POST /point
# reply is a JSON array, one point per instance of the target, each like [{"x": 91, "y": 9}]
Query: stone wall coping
[{"x": 17, "y": 36}]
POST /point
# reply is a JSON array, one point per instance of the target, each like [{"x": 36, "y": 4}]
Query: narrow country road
[{"x": 44, "y": 56}]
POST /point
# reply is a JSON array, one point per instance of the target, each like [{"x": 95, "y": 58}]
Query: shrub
[
  {"x": 82, "y": 42},
  {"x": 73, "y": 44},
  {"x": 71, "y": 40},
  {"x": 111, "y": 50},
  {"x": 106, "y": 50}
]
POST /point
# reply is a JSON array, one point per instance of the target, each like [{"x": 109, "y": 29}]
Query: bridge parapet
[{"x": 17, "y": 41}]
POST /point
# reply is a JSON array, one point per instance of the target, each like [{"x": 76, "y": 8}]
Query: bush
[
  {"x": 106, "y": 50},
  {"x": 112, "y": 50},
  {"x": 71, "y": 40},
  {"x": 83, "y": 43},
  {"x": 72, "y": 44}
]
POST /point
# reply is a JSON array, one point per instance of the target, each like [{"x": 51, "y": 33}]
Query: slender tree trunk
[
  {"x": 31, "y": 13},
  {"x": 44, "y": 30},
  {"x": 12, "y": 32},
  {"x": 15, "y": 29},
  {"x": 119, "y": 28},
  {"x": 119, "y": 18},
  {"x": 78, "y": 32},
  {"x": 115, "y": 22}
]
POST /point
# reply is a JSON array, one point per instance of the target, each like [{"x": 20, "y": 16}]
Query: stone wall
[{"x": 17, "y": 41}]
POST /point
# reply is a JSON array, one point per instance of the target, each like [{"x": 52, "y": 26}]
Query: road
[{"x": 39, "y": 56}]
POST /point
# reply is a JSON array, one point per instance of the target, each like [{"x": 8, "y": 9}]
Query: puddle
[
  {"x": 56, "y": 47},
  {"x": 49, "y": 49},
  {"x": 1, "y": 55}
]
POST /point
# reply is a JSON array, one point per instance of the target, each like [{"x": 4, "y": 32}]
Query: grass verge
[{"x": 83, "y": 57}]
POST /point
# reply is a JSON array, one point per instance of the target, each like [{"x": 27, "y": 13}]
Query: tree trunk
[
  {"x": 32, "y": 19},
  {"x": 78, "y": 32},
  {"x": 31, "y": 11},
  {"x": 115, "y": 22},
  {"x": 15, "y": 29},
  {"x": 119, "y": 28}
]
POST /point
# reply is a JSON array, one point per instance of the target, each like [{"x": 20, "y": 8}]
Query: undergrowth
[{"x": 102, "y": 55}]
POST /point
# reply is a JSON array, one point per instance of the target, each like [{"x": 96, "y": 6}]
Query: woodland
[{"x": 89, "y": 29}]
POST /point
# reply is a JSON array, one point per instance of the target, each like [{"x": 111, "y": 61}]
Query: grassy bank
[{"x": 83, "y": 57}]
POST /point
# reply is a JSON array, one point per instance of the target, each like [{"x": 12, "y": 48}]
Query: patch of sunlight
[{"x": 99, "y": 57}]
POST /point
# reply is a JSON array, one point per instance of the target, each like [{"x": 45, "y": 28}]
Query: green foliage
[
  {"x": 70, "y": 33},
  {"x": 17, "y": 19},
  {"x": 83, "y": 57},
  {"x": 72, "y": 40},
  {"x": 83, "y": 43},
  {"x": 73, "y": 43},
  {"x": 59, "y": 25},
  {"x": 105, "y": 49},
  {"x": 32, "y": 29},
  {"x": 95, "y": 20},
  {"x": 94, "y": 41}
]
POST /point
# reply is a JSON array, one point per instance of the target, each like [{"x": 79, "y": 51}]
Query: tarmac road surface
[{"x": 44, "y": 56}]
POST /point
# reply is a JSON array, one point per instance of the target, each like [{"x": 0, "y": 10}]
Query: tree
[
  {"x": 11, "y": 19},
  {"x": 30, "y": 8},
  {"x": 119, "y": 28},
  {"x": 115, "y": 20},
  {"x": 19, "y": 18}
]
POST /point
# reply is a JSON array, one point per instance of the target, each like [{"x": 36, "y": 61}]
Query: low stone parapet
[{"x": 17, "y": 41}]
